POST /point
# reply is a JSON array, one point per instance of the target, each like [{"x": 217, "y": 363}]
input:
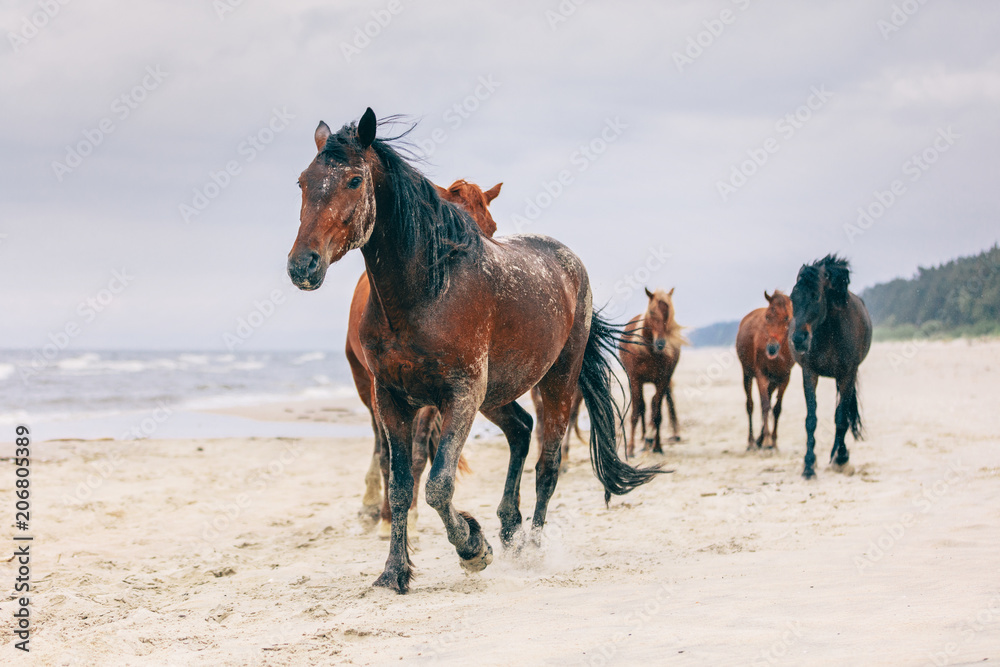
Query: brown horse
[
  {"x": 831, "y": 333},
  {"x": 762, "y": 346},
  {"x": 650, "y": 350},
  {"x": 427, "y": 424},
  {"x": 461, "y": 322}
]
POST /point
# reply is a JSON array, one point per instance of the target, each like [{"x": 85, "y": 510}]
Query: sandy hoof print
[
  {"x": 478, "y": 563},
  {"x": 845, "y": 469}
]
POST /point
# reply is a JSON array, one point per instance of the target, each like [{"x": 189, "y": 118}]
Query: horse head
[
  {"x": 474, "y": 200},
  {"x": 776, "y": 319},
  {"x": 819, "y": 287},
  {"x": 338, "y": 200},
  {"x": 659, "y": 319}
]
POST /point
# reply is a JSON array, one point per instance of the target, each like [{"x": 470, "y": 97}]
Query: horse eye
[
  {"x": 354, "y": 183},
  {"x": 299, "y": 183}
]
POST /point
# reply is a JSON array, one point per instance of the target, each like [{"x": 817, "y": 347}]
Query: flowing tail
[
  {"x": 617, "y": 476},
  {"x": 850, "y": 404},
  {"x": 435, "y": 439}
]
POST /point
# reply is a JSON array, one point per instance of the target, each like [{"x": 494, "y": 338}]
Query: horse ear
[
  {"x": 366, "y": 128},
  {"x": 768, "y": 296},
  {"x": 648, "y": 293},
  {"x": 322, "y": 134},
  {"x": 671, "y": 292},
  {"x": 492, "y": 193}
]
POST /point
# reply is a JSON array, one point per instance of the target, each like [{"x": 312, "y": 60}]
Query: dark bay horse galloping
[
  {"x": 460, "y": 322},
  {"x": 762, "y": 346},
  {"x": 831, "y": 333},
  {"x": 427, "y": 424}
]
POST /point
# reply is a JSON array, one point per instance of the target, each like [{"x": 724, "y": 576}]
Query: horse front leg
[
  {"x": 463, "y": 530},
  {"x": 764, "y": 389},
  {"x": 515, "y": 422},
  {"x": 425, "y": 430},
  {"x": 656, "y": 417},
  {"x": 638, "y": 416},
  {"x": 397, "y": 421},
  {"x": 809, "y": 380},
  {"x": 776, "y": 411}
]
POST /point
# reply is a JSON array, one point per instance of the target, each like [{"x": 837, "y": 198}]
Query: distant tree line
[{"x": 960, "y": 297}]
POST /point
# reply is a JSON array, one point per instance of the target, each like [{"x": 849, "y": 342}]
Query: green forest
[{"x": 958, "y": 298}]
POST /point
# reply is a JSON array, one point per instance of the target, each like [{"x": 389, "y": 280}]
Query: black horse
[{"x": 831, "y": 333}]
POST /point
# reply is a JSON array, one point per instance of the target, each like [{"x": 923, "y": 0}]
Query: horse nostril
[
  {"x": 800, "y": 339},
  {"x": 772, "y": 349},
  {"x": 313, "y": 262}
]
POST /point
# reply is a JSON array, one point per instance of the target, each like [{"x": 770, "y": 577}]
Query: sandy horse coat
[
  {"x": 650, "y": 350},
  {"x": 762, "y": 346},
  {"x": 831, "y": 333},
  {"x": 427, "y": 424},
  {"x": 460, "y": 322}
]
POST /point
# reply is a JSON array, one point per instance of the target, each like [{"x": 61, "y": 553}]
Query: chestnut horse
[
  {"x": 460, "y": 322},
  {"x": 650, "y": 350},
  {"x": 831, "y": 333},
  {"x": 762, "y": 346},
  {"x": 474, "y": 200}
]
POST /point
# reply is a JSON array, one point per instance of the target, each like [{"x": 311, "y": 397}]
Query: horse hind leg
[
  {"x": 372, "y": 500},
  {"x": 776, "y": 411},
  {"x": 426, "y": 428},
  {"x": 846, "y": 408},
  {"x": 515, "y": 422}
]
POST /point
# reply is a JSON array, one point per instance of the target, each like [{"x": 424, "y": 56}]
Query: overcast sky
[{"x": 729, "y": 141}]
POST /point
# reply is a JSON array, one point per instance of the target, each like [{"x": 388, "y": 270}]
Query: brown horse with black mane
[
  {"x": 460, "y": 322},
  {"x": 762, "y": 346},
  {"x": 831, "y": 333},
  {"x": 427, "y": 423},
  {"x": 650, "y": 350}
]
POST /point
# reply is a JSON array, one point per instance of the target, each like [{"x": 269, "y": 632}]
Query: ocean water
[{"x": 99, "y": 393}]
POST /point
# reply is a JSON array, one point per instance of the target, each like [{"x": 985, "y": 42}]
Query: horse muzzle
[
  {"x": 307, "y": 270},
  {"x": 659, "y": 345},
  {"x": 772, "y": 349},
  {"x": 801, "y": 340}
]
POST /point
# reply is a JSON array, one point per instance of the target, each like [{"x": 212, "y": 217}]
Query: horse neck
[{"x": 396, "y": 275}]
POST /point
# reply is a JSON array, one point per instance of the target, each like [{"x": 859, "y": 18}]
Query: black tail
[
  {"x": 854, "y": 413},
  {"x": 617, "y": 476}
]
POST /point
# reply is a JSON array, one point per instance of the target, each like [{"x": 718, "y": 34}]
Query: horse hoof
[
  {"x": 845, "y": 469},
  {"x": 369, "y": 513},
  {"x": 384, "y": 529},
  {"x": 478, "y": 563},
  {"x": 674, "y": 438},
  {"x": 399, "y": 582},
  {"x": 808, "y": 475}
]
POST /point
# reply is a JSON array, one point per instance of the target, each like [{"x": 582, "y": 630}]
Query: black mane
[
  {"x": 835, "y": 269},
  {"x": 429, "y": 229}
]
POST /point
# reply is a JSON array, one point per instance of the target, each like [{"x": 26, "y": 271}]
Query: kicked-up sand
[{"x": 250, "y": 551}]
